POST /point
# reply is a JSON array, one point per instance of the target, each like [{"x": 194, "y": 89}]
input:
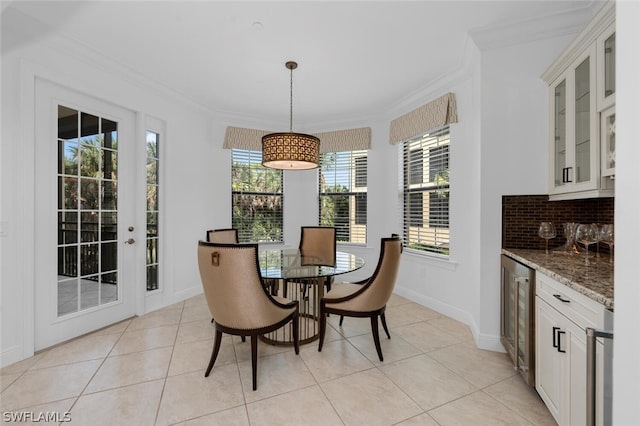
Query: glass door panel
[
  {"x": 560, "y": 132},
  {"x": 153, "y": 184},
  {"x": 87, "y": 211},
  {"x": 583, "y": 122}
]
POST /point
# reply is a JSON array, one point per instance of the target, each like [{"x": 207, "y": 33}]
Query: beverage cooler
[{"x": 517, "y": 322}]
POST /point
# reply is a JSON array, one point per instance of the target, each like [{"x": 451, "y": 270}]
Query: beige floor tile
[
  {"x": 396, "y": 299},
  {"x": 130, "y": 405},
  {"x": 427, "y": 382},
  {"x": 369, "y": 398},
  {"x": 243, "y": 349},
  {"x": 350, "y": 326},
  {"x": 393, "y": 349},
  {"x": 523, "y": 399},
  {"x": 57, "y": 412},
  {"x": 81, "y": 349},
  {"x": 307, "y": 407},
  {"x": 196, "y": 330},
  {"x": 426, "y": 337},
  {"x": 7, "y": 379},
  {"x": 129, "y": 369},
  {"x": 401, "y": 315},
  {"x": 455, "y": 328},
  {"x": 195, "y": 356},
  {"x": 195, "y": 313},
  {"x": 236, "y": 416},
  {"x": 141, "y": 340},
  {"x": 117, "y": 328},
  {"x": 277, "y": 374},
  {"x": 192, "y": 395},
  {"x": 199, "y": 300},
  {"x": 159, "y": 318},
  {"x": 423, "y": 419},
  {"x": 45, "y": 385},
  {"x": 337, "y": 359},
  {"x": 22, "y": 366},
  {"x": 476, "y": 409},
  {"x": 480, "y": 367}
]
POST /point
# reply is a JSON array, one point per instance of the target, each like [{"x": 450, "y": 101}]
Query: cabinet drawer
[{"x": 577, "y": 307}]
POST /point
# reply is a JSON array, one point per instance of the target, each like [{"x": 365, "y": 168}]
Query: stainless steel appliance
[{"x": 517, "y": 322}]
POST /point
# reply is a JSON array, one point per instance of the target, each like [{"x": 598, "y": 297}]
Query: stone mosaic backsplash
[{"x": 522, "y": 214}]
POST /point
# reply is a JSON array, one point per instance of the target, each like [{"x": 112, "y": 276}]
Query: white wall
[{"x": 626, "y": 342}]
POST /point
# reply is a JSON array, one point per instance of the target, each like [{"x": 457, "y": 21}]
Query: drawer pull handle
[
  {"x": 560, "y": 298},
  {"x": 555, "y": 339}
]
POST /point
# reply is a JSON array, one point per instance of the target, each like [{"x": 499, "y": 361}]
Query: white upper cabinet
[{"x": 582, "y": 113}]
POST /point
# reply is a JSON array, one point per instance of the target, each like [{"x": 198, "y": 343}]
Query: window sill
[{"x": 432, "y": 259}]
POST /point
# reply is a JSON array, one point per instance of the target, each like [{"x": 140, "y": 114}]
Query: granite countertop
[{"x": 594, "y": 281}]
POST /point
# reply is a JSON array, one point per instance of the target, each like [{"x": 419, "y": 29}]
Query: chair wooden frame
[
  {"x": 222, "y": 235},
  {"x": 326, "y": 309},
  {"x": 252, "y": 332}
]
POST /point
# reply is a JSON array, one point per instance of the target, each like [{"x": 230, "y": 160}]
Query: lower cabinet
[{"x": 561, "y": 355}]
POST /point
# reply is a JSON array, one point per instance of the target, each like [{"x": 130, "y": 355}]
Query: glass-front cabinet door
[
  {"x": 607, "y": 68},
  {"x": 574, "y": 132}
]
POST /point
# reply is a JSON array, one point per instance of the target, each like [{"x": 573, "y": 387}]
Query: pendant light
[{"x": 289, "y": 150}]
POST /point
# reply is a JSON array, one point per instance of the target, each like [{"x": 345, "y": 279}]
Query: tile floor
[{"x": 150, "y": 371}]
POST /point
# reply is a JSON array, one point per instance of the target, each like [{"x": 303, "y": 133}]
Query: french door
[{"x": 85, "y": 251}]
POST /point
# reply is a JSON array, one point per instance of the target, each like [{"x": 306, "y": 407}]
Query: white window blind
[
  {"x": 343, "y": 194},
  {"x": 256, "y": 198},
  {"x": 425, "y": 168}
]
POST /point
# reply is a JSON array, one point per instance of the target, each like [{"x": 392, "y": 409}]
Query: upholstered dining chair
[
  {"x": 318, "y": 247},
  {"x": 237, "y": 299},
  {"x": 366, "y": 298},
  {"x": 226, "y": 235}
]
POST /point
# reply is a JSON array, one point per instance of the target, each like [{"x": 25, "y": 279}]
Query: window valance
[
  {"x": 421, "y": 120},
  {"x": 334, "y": 141}
]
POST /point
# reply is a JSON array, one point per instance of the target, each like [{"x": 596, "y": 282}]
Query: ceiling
[{"x": 355, "y": 58}]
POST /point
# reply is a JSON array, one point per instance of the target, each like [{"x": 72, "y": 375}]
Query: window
[
  {"x": 256, "y": 198},
  {"x": 343, "y": 194},
  {"x": 153, "y": 182},
  {"x": 426, "y": 192}
]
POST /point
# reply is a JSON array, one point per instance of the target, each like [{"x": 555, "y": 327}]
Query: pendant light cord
[{"x": 291, "y": 101}]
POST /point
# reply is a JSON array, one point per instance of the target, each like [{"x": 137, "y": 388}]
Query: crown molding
[{"x": 605, "y": 17}]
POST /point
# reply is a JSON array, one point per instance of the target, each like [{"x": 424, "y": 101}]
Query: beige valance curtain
[
  {"x": 421, "y": 120},
  {"x": 334, "y": 141}
]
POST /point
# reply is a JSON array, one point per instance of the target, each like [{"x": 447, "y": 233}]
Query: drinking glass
[
  {"x": 607, "y": 236},
  {"x": 547, "y": 231},
  {"x": 586, "y": 234},
  {"x": 570, "y": 234}
]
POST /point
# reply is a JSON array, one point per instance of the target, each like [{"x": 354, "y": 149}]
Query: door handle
[
  {"x": 556, "y": 344},
  {"x": 559, "y": 342},
  {"x": 130, "y": 241}
]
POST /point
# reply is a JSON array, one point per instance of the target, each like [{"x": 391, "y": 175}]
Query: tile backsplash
[{"x": 522, "y": 214}]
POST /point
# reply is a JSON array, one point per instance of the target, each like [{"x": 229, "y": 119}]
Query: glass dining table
[{"x": 300, "y": 276}]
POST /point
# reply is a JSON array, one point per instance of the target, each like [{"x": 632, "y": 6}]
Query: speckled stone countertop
[{"x": 594, "y": 281}]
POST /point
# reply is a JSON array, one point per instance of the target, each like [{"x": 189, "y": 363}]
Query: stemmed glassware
[
  {"x": 587, "y": 234},
  {"x": 547, "y": 231},
  {"x": 606, "y": 236}
]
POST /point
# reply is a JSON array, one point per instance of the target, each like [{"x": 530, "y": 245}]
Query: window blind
[
  {"x": 256, "y": 198},
  {"x": 425, "y": 177},
  {"x": 343, "y": 194}
]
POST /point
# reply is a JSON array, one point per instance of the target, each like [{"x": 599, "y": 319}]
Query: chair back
[
  {"x": 380, "y": 286},
  {"x": 318, "y": 245},
  {"x": 232, "y": 285},
  {"x": 228, "y": 236}
]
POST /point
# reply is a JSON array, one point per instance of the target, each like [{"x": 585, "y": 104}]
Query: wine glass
[
  {"x": 547, "y": 231},
  {"x": 607, "y": 236},
  {"x": 586, "y": 234}
]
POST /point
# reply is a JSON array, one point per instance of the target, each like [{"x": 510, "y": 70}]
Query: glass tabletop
[{"x": 291, "y": 263}]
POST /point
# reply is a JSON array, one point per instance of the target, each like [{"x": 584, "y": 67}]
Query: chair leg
[
  {"x": 214, "y": 354},
  {"x": 384, "y": 324},
  {"x": 323, "y": 327},
  {"x": 296, "y": 334},
  {"x": 341, "y": 319},
  {"x": 211, "y": 320},
  {"x": 254, "y": 359},
  {"x": 243, "y": 338},
  {"x": 376, "y": 336}
]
